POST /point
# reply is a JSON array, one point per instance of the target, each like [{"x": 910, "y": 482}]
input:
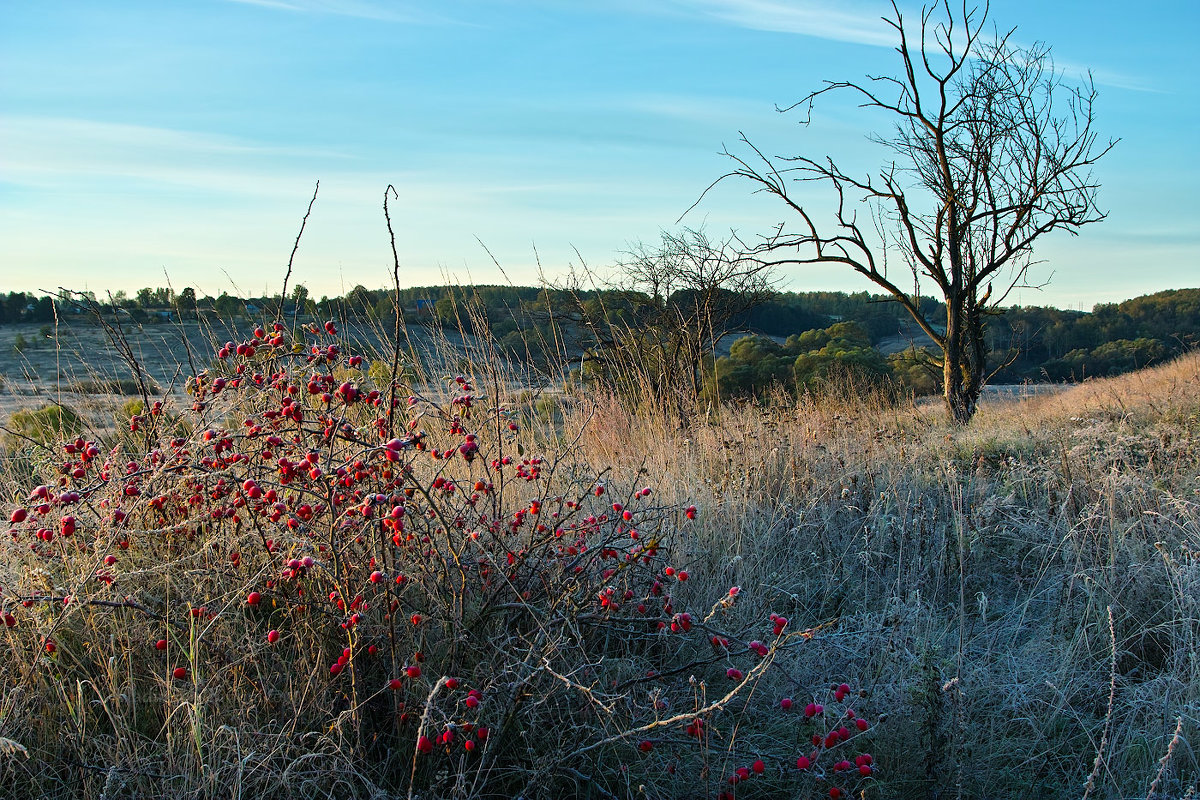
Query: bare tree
[
  {"x": 649, "y": 330},
  {"x": 991, "y": 149}
]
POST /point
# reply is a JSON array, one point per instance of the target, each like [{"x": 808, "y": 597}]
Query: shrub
[
  {"x": 811, "y": 361},
  {"x": 916, "y": 369},
  {"x": 44, "y": 425},
  {"x": 1110, "y": 358},
  {"x": 417, "y": 593}
]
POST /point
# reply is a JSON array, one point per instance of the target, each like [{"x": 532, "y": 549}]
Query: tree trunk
[
  {"x": 977, "y": 350},
  {"x": 961, "y": 376}
]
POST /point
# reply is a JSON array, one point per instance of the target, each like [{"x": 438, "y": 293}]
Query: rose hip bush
[{"x": 307, "y": 578}]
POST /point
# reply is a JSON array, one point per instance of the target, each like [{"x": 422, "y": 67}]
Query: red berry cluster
[{"x": 834, "y": 736}]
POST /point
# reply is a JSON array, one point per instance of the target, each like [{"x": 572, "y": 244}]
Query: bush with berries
[{"x": 315, "y": 577}]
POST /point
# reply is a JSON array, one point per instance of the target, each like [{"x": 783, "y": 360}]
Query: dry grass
[
  {"x": 964, "y": 579},
  {"x": 971, "y": 569}
]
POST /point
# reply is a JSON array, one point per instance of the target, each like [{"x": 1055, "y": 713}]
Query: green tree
[
  {"x": 228, "y": 306},
  {"x": 840, "y": 360},
  {"x": 360, "y": 301},
  {"x": 756, "y": 364},
  {"x": 300, "y": 298},
  {"x": 915, "y": 369},
  {"x": 43, "y": 310}
]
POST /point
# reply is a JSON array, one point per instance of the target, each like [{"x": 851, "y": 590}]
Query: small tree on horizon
[
  {"x": 650, "y": 331},
  {"x": 991, "y": 150},
  {"x": 186, "y": 299}
]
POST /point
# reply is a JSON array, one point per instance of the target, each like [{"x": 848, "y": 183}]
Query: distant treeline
[
  {"x": 1039, "y": 335},
  {"x": 1112, "y": 338},
  {"x": 828, "y": 330},
  {"x": 1026, "y": 343}
]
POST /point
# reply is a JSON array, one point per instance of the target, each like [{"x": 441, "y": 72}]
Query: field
[
  {"x": 479, "y": 598},
  {"x": 75, "y": 361}
]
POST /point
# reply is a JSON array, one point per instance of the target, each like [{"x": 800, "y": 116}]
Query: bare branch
[
  {"x": 291, "y": 258},
  {"x": 992, "y": 152}
]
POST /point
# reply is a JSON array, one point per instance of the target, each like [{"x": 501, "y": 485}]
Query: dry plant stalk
[
  {"x": 1090, "y": 786},
  {"x": 10, "y": 748},
  {"x": 1165, "y": 761}
]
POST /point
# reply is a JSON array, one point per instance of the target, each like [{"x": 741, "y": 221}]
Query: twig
[
  {"x": 96, "y": 768},
  {"x": 118, "y": 339},
  {"x": 29, "y": 439},
  {"x": 295, "y": 247},
  {"x": 584, "y": 690},
  {"x": 589, "y": 781},
  {"x": 753, "y": 675},
  {"x": 187, "y": 346},
  {"x": 425, "y": 715},
  {"x": 44, "y": 598},
  {"x": 390, "y": 191}
]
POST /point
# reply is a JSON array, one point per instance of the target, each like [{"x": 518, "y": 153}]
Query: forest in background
[{"x": 789, "y": 341}]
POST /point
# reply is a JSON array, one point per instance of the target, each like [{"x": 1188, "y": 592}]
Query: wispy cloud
[
  {"x": 848, "y": 22},
  {"x": 1077, "y": 70},
  {"x": 194, "y": 199},
  {"x": 690, "y": 108},
  {"x": 55, "y": 153},
  {"x": 840, "y": 21},
  {"x": 52, "y": 151},
  {"x": 362, "y": 9}
]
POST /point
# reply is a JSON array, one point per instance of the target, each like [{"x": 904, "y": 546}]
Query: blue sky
[{"x": 146, "y": 139}]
